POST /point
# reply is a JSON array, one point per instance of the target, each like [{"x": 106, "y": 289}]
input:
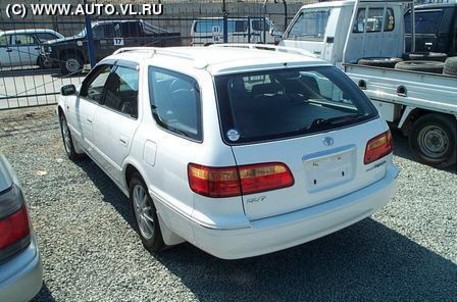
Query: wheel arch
[
  {"x": 169, "y": 237},
  {"x": 407, "y": 122}
]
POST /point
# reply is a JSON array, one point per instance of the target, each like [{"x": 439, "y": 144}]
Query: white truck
[{"x": 354, "y": 33}]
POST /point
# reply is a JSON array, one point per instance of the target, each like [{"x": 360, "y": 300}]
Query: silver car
[{"x": 21, "y": 271}]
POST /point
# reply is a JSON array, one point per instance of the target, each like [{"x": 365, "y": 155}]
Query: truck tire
[
  {"x": 433, "y": 140},
  {"x": 379, "y": 61},
  {"x": 427, "y": 66},
  {"x": 71, "y": 63},
  {"x": 425, "y": 56},
  {"x": 450, "y": 66}
]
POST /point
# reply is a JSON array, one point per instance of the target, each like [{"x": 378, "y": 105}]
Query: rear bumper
[
  {"x": 291, "y": 229},
  {"x": 21, "y": 277}
]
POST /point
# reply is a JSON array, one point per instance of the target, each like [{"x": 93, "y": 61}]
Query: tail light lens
[
  {"x": 14, "y": 223},
  {"x": 378, "y": 147},
  {"x": 238, "y": 180}
]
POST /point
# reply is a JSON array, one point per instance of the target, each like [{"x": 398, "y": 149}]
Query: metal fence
[{"x": 35, "y": 62}]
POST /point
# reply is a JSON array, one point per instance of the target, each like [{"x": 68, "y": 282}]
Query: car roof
[
  {"x": 222, "y": 60},
  {"x": 26, "y": 31}
]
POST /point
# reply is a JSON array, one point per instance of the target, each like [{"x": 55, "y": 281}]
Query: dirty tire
[
  {"x": 71, "y": 64},
  {"x": 450, "y": 66},
  {"x": 43, "y": 63},
  {"x": 425, "y": 56},
  {"x": 145, "y": 214},
  {"x": 380, "y": 61},
  {"x": 433, "y": 140},
  {"x": 426, "y": 66},
  {"x": 67, "y": 139}
]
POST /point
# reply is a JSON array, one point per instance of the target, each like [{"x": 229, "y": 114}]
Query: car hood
[
  {"x": 72, "y": 38},
  {"x": 5, "y": 177}
]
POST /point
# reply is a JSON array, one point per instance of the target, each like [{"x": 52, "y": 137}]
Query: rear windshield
[{"x": 272, "y": 104}]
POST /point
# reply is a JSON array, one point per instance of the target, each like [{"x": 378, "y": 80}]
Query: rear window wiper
[{"x": 322, "y": 123}]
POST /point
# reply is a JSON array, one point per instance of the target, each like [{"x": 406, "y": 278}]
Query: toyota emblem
[{"x": 328, "y": 141}]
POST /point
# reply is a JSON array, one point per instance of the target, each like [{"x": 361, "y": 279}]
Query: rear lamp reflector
[
  {"x": 238, "y": 180},
  {"x": 14, "y": 227},
  {"x": 378, "y": 147}
]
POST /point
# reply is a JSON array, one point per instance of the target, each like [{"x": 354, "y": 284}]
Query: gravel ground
[{"x": 406, "y": 252}]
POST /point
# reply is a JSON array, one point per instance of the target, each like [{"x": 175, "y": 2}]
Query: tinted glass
[
  {"x": 374, "y": 21},
  {"x": 92, "y": 88},
  {"x": 175, "y": 102},
  {"x": 310, "y": 26},
  {"x": 23, "y": 39},
  {"x": 122, "y": 91},
  {"x": 285, "y": 103},
  {"x": 427, "y": 22}
]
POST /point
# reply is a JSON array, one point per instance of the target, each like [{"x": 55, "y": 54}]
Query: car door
[
  {"x": 103, "y": 35},
  {"x": 81, "y": 111},
  {"x": 427, "y": 24},
  {"x": 25, "y": 48},
  {"x": 5, "y": 51},
  {"x": 116, "y": 120}
]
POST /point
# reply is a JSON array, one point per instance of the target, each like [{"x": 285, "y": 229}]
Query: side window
[
  {"x": 24, "y": 39},
  {"x": 427, "y": 22},
  {"x": 310, "y": 26},
  {"x": 175, "y": 99},
  {"x": 373, "y": 20},
  {"x": 359, "y": 25},
  {"x": 260, "y": 25},
  {"x": 389, "y": 24},
  {"x": 104, "y": 31},
  {"x": 122, "y": 91},
  {"x": 4, "y": 40},
  {"x": 92, "y": 88},
  {"x": 43, "y": 37}
]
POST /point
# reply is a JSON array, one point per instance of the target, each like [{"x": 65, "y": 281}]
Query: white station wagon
[{"x": 240, "y": 152}]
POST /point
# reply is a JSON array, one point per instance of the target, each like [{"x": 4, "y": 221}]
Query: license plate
[{"x": 330, "y": 170}]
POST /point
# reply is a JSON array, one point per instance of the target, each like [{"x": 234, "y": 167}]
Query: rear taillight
[
  {"x": 14, "y": 227},
  {"x": 238, "y": 180},
  {"x": 378, "y": 147},
  {"x": 14, "y": 223}
]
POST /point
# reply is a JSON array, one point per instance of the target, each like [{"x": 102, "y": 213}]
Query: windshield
[{"x": 274, "y": 104}]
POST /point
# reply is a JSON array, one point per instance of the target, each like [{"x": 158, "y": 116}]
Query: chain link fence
[{"x": 41, "y": 52}]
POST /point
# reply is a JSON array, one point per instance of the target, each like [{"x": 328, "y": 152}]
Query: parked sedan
[
  {"x": 23, "y": 46},
  {"x": 21, "y": 272}
]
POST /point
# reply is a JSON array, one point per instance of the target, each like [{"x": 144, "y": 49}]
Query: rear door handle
[
  {"x": 124, "y": 140},
  {"x": 89, "y": 121},
  {"x": 9, "y": 50},
  {"x": 317, "y": 52}
]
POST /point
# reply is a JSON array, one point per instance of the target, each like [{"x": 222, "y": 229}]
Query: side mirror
[{"x": 68, "y": 90}]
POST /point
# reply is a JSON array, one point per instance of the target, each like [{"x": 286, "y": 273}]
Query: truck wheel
[
  {"x": 425, "y": 56},
  {"x": 71, "y": 64},
  {"x": 145, "y": 213},
  {"x": 450, "y": 66},
  {"x": 379, "y": 61},
  {"x": 433, "y": 140},
  {"x": 427, "y": 66}
]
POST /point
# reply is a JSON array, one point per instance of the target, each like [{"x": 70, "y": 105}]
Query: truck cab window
[{"x": 310, "y": 26}]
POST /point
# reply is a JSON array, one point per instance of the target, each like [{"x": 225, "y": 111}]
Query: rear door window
[{"x": 273, "y": 104}]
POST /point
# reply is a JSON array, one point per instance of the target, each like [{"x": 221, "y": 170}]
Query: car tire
[
  {"x": 426, "y": 66},
  {"x": 380, "y": 61},
  {"x": 450, "y": 66},
  {"x": 71, "y": 64},
  {"x": 44, "y": 63},
  {"x": 425, "y": 56},
  {"x": 432, "y": 140},
  {"x": 68, "y": 140},
  {"x": 145, "y": 213}
]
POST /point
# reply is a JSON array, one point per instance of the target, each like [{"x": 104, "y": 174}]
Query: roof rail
[
  {"x": 268, "y": 47},
  {"x": 153, "y": 51}
]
